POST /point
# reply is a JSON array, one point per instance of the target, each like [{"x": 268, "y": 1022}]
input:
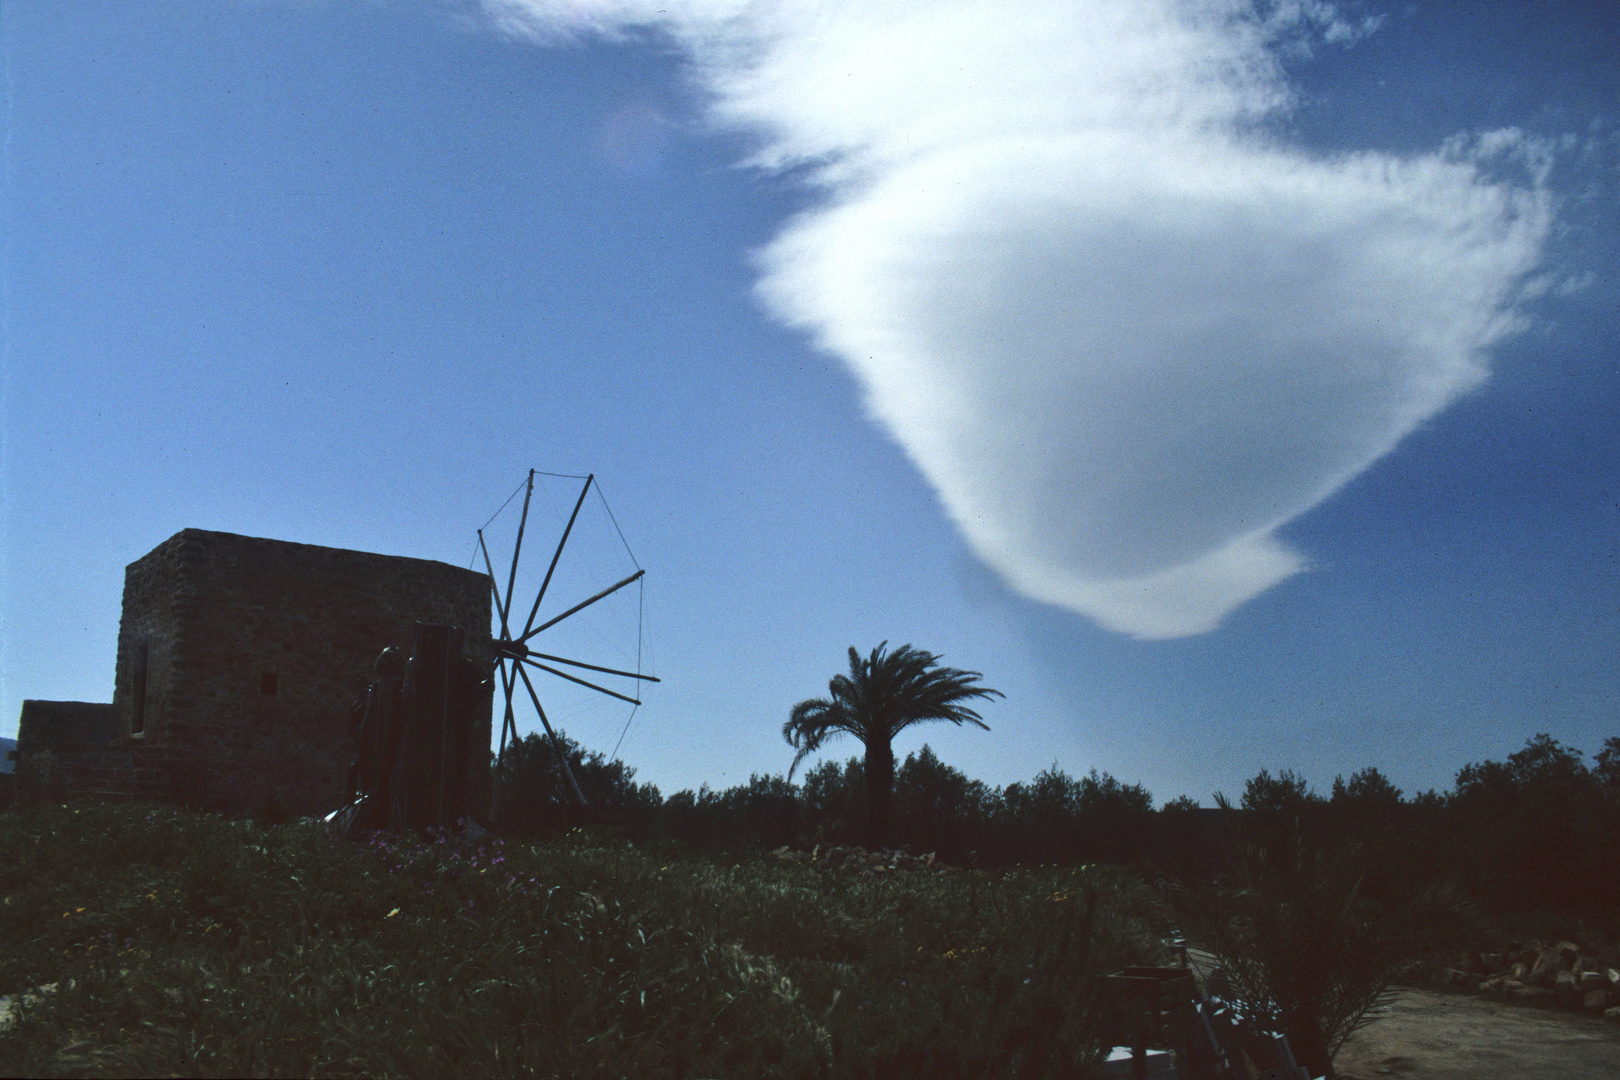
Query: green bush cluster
[
  {"x": 187, "y": 944},
  {"x": 1534, "y": 837}
]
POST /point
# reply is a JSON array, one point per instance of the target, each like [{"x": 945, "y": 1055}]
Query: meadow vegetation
[
  {"x": 652, "y": 936},
  {"x": 183, "y": 943}
]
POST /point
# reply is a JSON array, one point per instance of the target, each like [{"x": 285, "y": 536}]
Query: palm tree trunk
[{"x": 879, "y": 791}]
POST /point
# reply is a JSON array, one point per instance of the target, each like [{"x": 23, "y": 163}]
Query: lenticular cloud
[{"x": 1125, "y": 334}]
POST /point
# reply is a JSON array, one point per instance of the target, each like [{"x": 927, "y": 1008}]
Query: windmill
[{"x": 517, "y": 651}]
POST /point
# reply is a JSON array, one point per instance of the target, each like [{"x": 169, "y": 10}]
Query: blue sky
[{"x": 1235, "y": 388}]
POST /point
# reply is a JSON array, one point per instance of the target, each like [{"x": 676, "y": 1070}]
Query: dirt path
[{"x": 1430, "y": 1035}]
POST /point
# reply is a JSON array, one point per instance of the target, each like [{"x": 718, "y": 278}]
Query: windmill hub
[{"x": 507, "y": 649}]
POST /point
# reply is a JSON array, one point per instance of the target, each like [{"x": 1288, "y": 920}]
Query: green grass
[{"x": 186, "y": 944}]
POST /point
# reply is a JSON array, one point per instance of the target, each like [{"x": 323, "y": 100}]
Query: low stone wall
[
  {"x": 68, "y": 750},
  {"x": 100, "y": 773}
]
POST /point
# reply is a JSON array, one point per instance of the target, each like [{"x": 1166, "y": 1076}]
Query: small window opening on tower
[{"x": 267, "y": 684}]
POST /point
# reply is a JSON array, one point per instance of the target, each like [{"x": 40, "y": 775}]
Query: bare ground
[{"x": 1432, "y": 1035}]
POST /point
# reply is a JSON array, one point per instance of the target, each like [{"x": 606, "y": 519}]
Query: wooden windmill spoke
[
  {"x": 556, "y": 744},
  {"x": 557, "y": 555},
  {"x": 494, "y": 588},
  {"x": 511, "y": 579},
  {"x": 555, "y": 619},
  {"x": 593, "y": 667},
  {"x": 582, "y": 682},
  {"x": 508, "y": 722}
]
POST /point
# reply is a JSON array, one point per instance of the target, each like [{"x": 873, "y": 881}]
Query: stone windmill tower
[{"x": 238, "y": 659}]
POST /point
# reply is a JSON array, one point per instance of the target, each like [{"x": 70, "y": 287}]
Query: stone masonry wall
[{"x": 255, "y": 649}]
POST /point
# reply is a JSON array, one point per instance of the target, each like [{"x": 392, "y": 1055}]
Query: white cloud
[{"x": 1123, "y": 333}]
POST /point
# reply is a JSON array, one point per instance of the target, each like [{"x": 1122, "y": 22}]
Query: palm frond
[
  {"x": 812, "y": 722},
  {"x": 883, "y": 694}
]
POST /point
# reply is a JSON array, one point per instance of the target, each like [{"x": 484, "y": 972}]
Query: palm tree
[{"x": 882, "y": 695}]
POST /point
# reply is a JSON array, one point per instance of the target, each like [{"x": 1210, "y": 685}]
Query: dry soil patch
[{"x": 1429, "y": 1035}]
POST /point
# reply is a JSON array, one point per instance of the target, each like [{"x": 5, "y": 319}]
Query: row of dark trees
[
  {"x": 933, "y": 807},
  {"x": 1537, "y": 832}
]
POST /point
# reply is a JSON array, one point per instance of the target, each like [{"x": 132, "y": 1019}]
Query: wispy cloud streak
[{"x": 1125, "y": 333}]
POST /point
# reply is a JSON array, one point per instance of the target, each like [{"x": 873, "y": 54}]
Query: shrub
[
  {"x": 763, "y": 813},
  {"x": 1307, "y": 952},
  {"x": 187, "y": 944},
  {"x": 533, "y": 798}
]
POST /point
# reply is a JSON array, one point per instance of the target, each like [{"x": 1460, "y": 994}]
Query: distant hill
[{"x": 6, "y": 747}]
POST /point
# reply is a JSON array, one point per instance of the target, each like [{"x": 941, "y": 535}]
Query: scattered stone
[
  {"x": 1566, "y": 989},
  {"x": 1562, "y": 973},
  {"x": 1547, "y": 966},
  {"x": 859, "y": 860},
  {"x": 10, "y": 1003},
  {"x": 787, "y": 854}
]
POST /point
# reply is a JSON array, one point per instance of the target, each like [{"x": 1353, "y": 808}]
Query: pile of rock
[
  {"x": 1562, "y": 974},
  {"x": 858, "y": 860}
]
